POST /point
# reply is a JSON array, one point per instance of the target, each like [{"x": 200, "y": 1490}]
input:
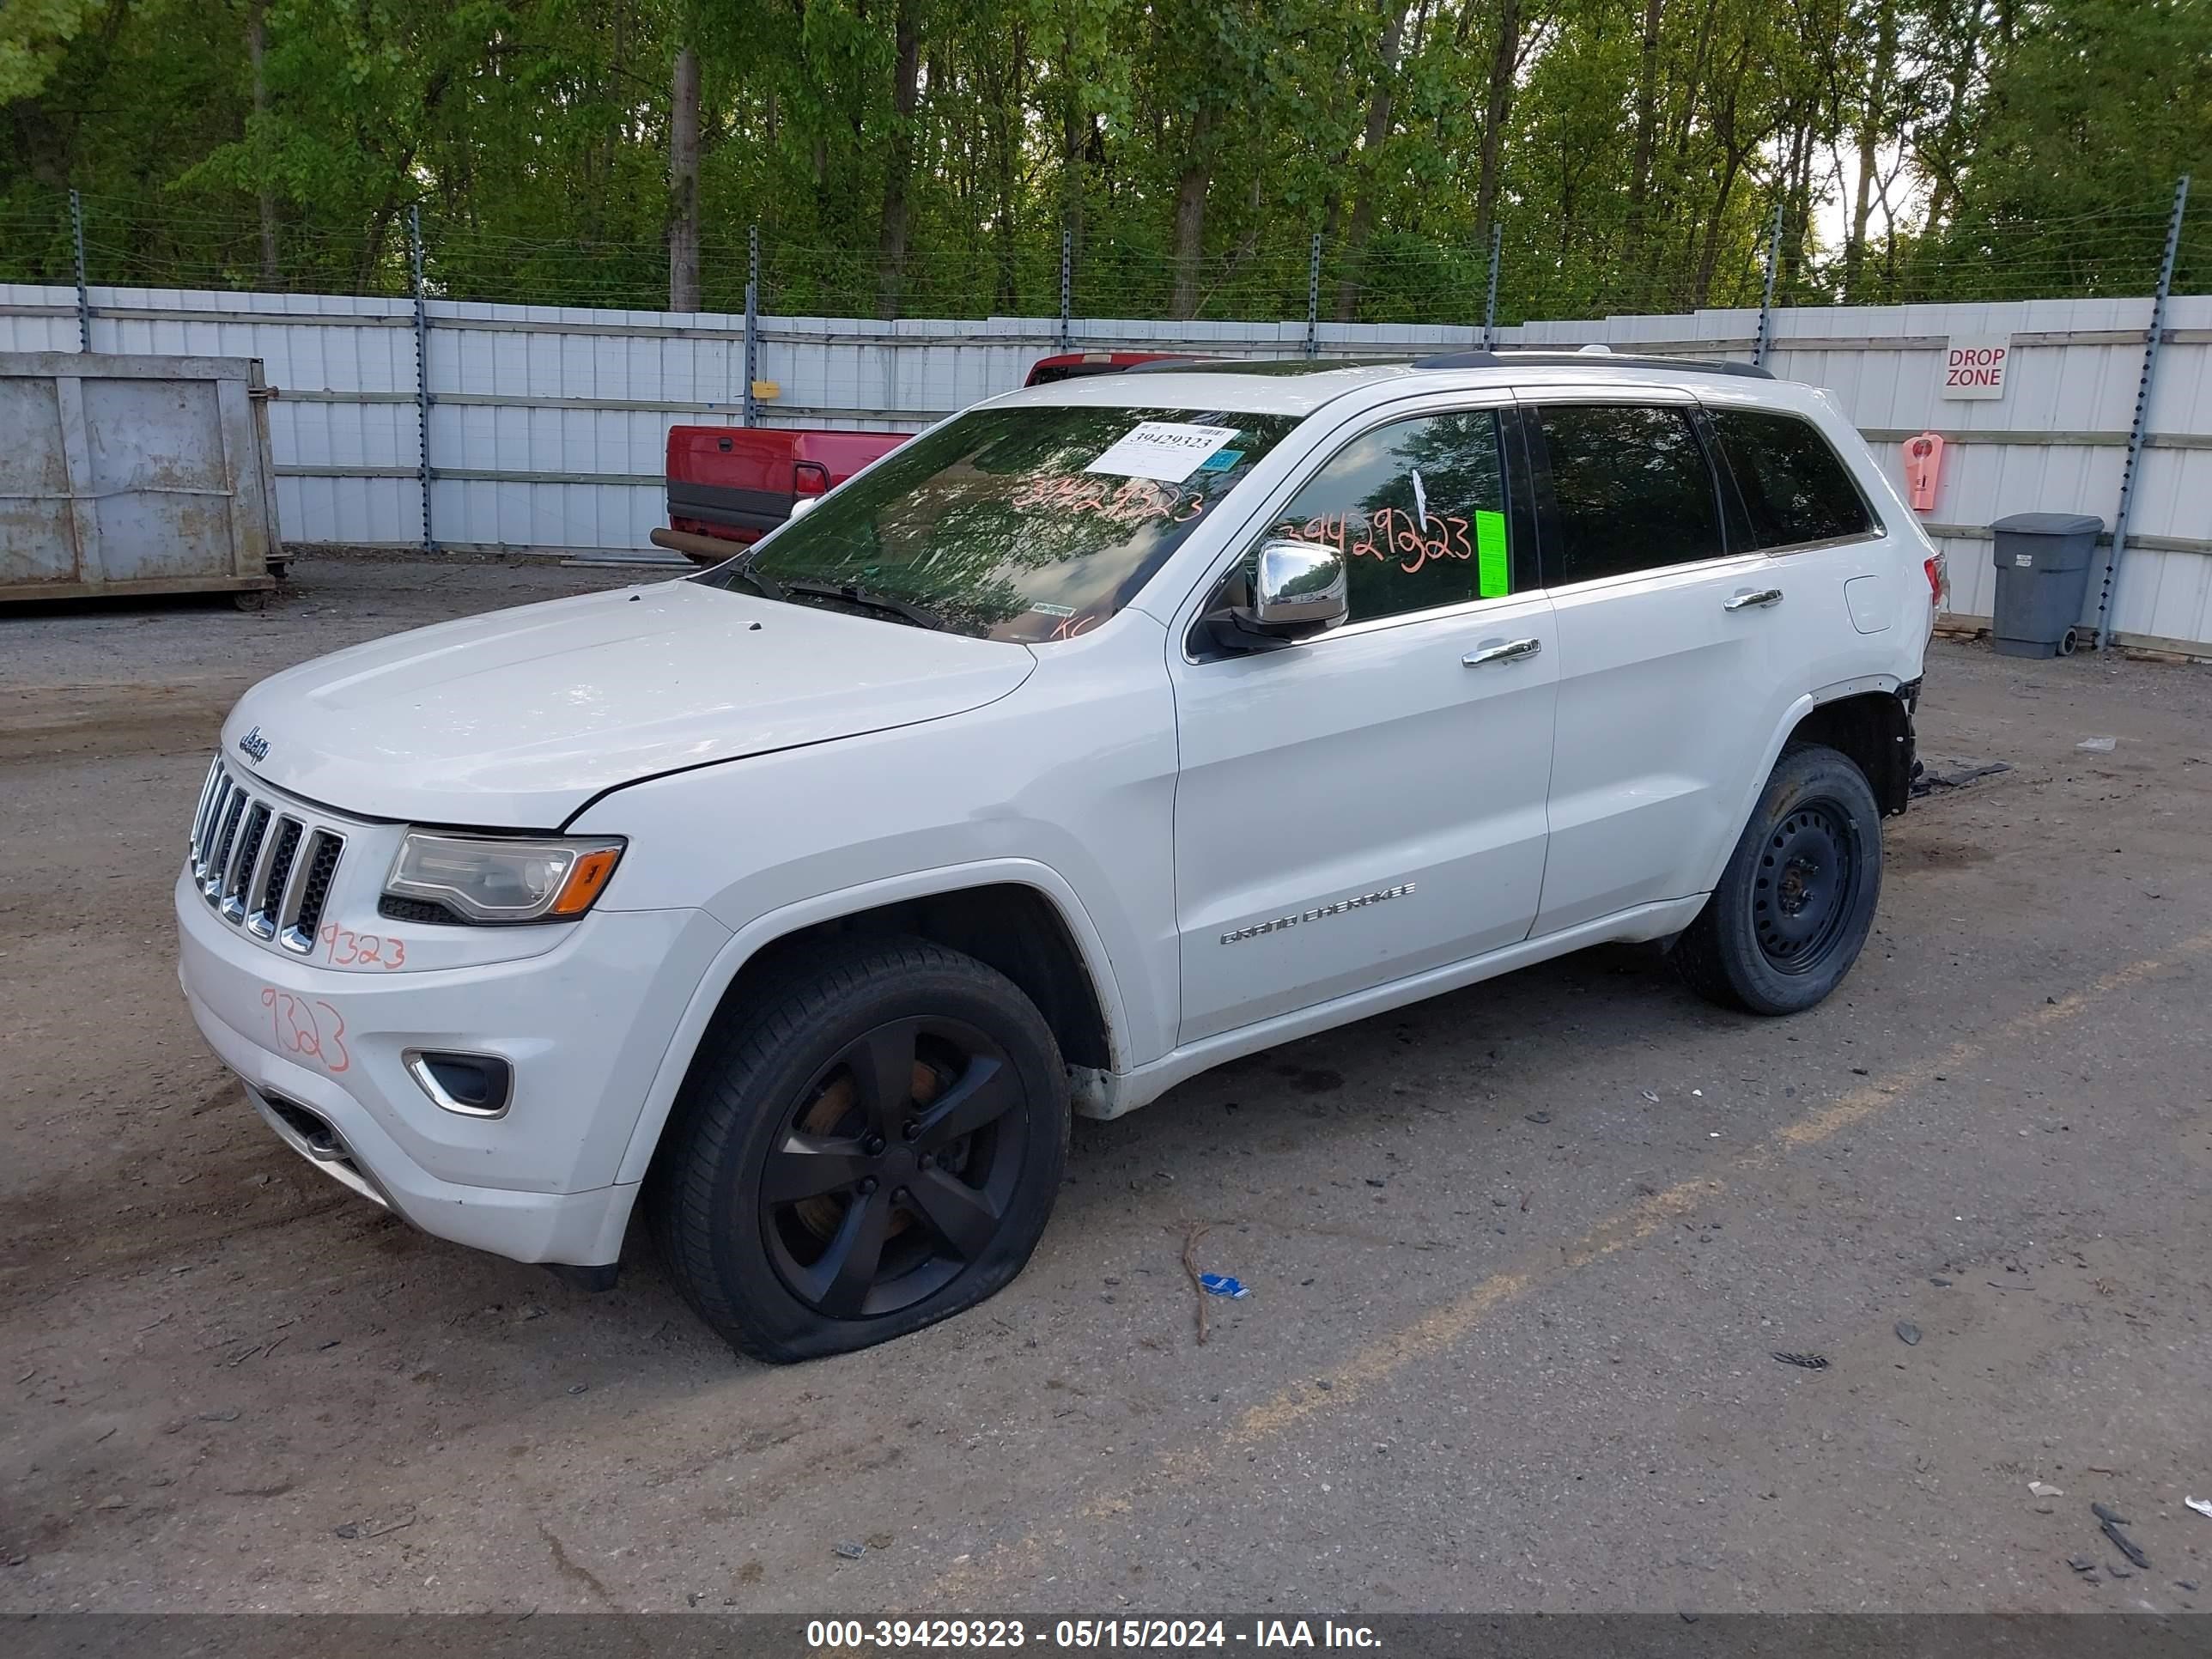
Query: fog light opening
[{"x": 472, "y": 1085}]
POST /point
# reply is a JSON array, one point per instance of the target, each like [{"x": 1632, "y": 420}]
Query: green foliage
[
  {"x": 2021, "y": 147},
  {"x": 2098, "y": 105},
  {"x": 34, "y": 34}
]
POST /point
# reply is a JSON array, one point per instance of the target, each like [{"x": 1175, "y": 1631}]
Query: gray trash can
[{"x": 2042, "y": 562}]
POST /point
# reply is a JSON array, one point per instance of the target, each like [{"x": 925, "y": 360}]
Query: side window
[
  {"x": 1418, "y": 509},
  {"x": 1632, "y": 489},
  {"x": 1793, "y": 486}
]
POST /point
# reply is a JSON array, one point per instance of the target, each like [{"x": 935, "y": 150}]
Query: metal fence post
[
  {"x": 2108, "y": 597},
  {"x": 752, "y": 319},
  {"x": 1490, "y": 302},
  {"x": 422, "y": 372},
  {"x": 1313, "y": 297},
  {"x": 1066, "y": 285},
  {"x": 83, "y": 293},
  {"x": 1766, "y": 294}
]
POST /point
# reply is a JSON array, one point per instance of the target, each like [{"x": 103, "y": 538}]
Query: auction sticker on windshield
[{"x": 1169, "y": 450}]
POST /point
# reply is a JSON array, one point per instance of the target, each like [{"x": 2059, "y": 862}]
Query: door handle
[
  {"x": 1759, "y": 596},
  {"x": 1506, "y": 651}
]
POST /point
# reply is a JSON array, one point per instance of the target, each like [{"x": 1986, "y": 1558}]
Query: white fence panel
[
  {"x": 37, "y": 319},
  {"x": 2056, "y": 441},
  {"x": 2166, "y": 590},
  {"x": 548, "y": 427}
]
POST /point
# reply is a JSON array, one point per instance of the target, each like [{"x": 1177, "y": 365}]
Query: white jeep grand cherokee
[{"x": 1104, "y": 733}]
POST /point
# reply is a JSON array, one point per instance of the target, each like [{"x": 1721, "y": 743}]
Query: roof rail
[
  {"x": 1273, "y": 365},
  {"x": 1586, "y": 357}
]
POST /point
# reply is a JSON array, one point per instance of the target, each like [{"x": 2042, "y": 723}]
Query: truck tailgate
[{"x": 738, "y": 483}]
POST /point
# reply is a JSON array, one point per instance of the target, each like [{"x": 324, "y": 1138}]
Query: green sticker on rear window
[{"x": 1493, "y": 573}]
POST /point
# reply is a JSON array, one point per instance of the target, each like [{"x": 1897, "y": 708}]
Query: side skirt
[{"x": 1109, "y": 1095}]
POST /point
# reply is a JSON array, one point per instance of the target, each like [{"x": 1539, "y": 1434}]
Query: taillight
[
  {"x": 1938, "y": 569},
  {"x": 809, "y": 479}
]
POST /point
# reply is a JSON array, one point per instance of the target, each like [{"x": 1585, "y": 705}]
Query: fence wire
[{"x": 1546, "y": 271}]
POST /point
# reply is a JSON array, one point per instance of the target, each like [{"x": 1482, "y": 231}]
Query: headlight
[{"x": 480, "y": 878}]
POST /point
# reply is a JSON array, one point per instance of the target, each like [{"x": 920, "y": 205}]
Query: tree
[
  {"x": 905, "y": 95},
  {"x": 907, "y": 156},
  {"x": 35, "y": 35},
  {"x": 683, "y": 180}
]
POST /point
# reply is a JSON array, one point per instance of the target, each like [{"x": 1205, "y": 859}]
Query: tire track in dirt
[
  {"x": 65, "y": 1233},
  {"x": 54, "y": 725}
]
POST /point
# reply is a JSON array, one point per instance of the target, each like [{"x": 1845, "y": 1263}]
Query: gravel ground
[{"x": 1521, "y": 1256}]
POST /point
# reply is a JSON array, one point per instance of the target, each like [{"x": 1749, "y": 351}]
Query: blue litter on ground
[{"x": 1222, "y": 1284}]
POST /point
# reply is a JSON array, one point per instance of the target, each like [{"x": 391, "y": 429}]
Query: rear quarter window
[{"x": 1796, "y": 489}]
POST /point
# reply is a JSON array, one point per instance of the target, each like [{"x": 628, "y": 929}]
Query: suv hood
[{"x": 515, "y": 719}]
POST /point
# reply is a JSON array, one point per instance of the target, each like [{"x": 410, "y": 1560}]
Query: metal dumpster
[{"x": 127, "y": 474}]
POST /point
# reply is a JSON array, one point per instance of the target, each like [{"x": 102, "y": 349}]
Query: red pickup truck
[{"x": 729, "y": 486}]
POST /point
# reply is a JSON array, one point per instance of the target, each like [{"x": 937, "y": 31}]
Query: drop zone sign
[{"x": 1974, "y": 366}]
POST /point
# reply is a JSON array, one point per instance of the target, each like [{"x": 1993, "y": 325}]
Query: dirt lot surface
[{"x": 1520, "y": 1257}]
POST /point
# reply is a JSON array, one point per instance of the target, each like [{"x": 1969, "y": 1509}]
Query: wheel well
[
  {"x": 1875, "y": 731},
  {"x": 1013, "y": 928}
]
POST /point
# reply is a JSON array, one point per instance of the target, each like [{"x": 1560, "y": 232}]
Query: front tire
[
  {"x": 869, "y": 1145},
  {"x": 1798, "y": 900}
]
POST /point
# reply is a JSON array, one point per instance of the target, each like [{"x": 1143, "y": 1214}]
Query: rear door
[
  {"x": 1370, "y": 804},
  {"x": 1675, "y": 651},
  {"x": 1792, "y": 498}
]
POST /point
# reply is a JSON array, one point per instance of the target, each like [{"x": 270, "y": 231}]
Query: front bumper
[{"x": 585, "y": 1026}]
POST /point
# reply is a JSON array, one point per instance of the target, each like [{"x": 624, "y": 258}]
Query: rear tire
[
  {"x": 868, "y": 1146},
  {"x": 1795, "y": 905}
]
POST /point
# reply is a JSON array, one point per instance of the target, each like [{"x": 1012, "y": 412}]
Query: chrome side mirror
[{"x": 1299, "y": 588}]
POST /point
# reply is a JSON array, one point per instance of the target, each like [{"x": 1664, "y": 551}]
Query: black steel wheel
[
  {"x": 872, "y": 1146},
  {"x": 1804, "y": 888},
  {"x": 1794, "y": 906}
]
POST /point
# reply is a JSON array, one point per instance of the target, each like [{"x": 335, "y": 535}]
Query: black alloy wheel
[
  {"x": 897, "y": 1169},
  {"x": 869, "y": 1139}
]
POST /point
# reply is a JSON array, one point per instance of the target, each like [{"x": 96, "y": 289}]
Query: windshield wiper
[
  {"x": 851, "y": 594},
  {"x": 742, "y": 570}
]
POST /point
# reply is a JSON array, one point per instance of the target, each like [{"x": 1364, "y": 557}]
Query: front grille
[
  {"x": 260, "y": 866},
  {"x": 226, "y": 835},
  {"x": 270, "y": 891},
  {"x": 322, "y": 864},
  {"x": 243, "y": 868}
]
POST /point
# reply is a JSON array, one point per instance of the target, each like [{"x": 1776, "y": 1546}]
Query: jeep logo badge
[{"x": 254, "y": 746}]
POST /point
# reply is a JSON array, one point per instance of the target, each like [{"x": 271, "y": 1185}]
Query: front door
[{"x": 1370, "y": 804}]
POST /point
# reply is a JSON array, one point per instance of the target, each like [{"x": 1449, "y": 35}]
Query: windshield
[{"x": 1029, "y": 523}]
